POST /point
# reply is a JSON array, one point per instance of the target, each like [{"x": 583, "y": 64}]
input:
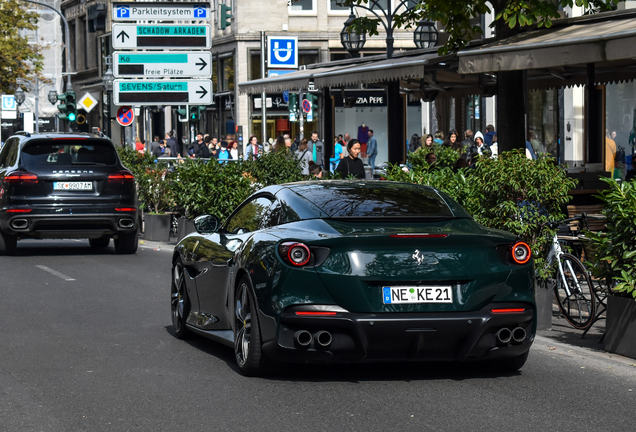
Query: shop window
[
  {"x": 227, "y": 74},
  {"x": 302, "y": 7}
]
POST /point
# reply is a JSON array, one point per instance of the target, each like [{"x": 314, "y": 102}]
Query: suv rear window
[
  {"x": 60, "y": 152},
  {"x": 375, "y": 200}
]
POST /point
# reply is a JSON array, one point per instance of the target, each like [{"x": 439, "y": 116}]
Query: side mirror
[{"x": 206, "y": 224}]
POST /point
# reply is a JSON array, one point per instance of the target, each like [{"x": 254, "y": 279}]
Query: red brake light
[
  {"x": 125, "y": 209},
  {"x": 418, "y": 235},
  {"x": 296, "y": 254},
  {"x": 68, "y": 138},
  {"x": 121, "y": 176},
  {"x": 19, "y": 211},
  {"x": 506, "y": 311},
  {"x": 520, "y": 253},
  {"x": 21, "y": 177},
  {"x": 316, "y": 313}
]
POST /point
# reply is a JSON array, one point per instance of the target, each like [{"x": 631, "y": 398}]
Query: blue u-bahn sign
[{"x": 282, "y": 52}]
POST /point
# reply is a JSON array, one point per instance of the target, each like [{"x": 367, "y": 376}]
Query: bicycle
[{"x": 573, "y": 287}]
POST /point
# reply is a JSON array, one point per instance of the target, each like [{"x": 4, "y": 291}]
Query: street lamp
[
  {"x": 427, "y": 32},
  {"x": 19, "y": 96},
  {"x": 352, "y": 41},
  {"x": 107, "y": 81},
  {"x": 425, "y": 35},
  {"x": 52, "y": 97}
]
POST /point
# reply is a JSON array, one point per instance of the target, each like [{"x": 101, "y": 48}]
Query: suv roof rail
[{"x": 23, "y": 133}]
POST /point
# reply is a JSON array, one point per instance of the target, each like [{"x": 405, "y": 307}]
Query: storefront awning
[
  {"x": 580, "y": 41},
  {"x": 401, "y": 68},
  {"x": 292, "y": 81}
]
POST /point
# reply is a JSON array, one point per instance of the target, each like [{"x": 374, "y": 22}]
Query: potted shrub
[
  {"x": 617, "y": 264},
  {"x": 154, "y": 196},
  {"x": 509, "y": 192}
]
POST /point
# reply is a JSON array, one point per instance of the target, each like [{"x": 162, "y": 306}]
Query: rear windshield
[
  {"x": 58, "y": 153},
  {"x": 369, "y": 200}
]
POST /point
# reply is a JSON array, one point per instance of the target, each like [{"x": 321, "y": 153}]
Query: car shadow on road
[
  {"x": 354, "y": 372},
  {"x": 60, "y": 247}
]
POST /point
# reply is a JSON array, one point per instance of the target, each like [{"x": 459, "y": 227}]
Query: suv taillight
[
  {"x": 21, "y": 177},
  {"x": 121, "y": 177}
]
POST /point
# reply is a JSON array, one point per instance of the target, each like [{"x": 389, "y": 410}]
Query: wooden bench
[{"x": 593, "y": 224}]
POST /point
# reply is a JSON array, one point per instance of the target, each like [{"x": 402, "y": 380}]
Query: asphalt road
[{"x": 86, "y": 345}]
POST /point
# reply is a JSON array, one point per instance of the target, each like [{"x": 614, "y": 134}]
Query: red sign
[
  {"x": 306, "y": 106},
  {"x": 125, "y": 115}
]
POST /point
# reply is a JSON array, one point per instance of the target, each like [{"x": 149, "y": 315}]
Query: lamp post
[{"x": 107, "y": 80}]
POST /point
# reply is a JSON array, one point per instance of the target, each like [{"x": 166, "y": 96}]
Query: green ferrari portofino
[{"x": 355, "y": 271}]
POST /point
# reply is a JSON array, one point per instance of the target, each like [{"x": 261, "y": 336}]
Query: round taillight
[
  {"x": 521, "y": 253},
  {"x": 296, "y": 254}
]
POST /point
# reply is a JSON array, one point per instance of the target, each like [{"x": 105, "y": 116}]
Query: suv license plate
[
  {"x": 422, "y": 294},
  {"x": 73, "y": 186}
]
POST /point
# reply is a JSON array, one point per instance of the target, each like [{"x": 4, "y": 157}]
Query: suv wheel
[
  {"x": 126, "y": 243},
  {"x": 101, "y": 242},
  {"x": 8, "y": 244}
]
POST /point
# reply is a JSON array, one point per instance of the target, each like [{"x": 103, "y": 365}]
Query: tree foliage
[
  {"x": 455, "y": 16},
  {"x": 18, "y": 58}
]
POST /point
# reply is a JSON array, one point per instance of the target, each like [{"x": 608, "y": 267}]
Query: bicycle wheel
[{"x": 575, "y": 293}]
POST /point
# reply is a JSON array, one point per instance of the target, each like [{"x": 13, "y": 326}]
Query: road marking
[{"x": 55, "y": 273}]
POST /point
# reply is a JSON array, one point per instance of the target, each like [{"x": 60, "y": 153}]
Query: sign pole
[
  {"x": 263, "y": 94},
  {"x": 301, "y": 117}
]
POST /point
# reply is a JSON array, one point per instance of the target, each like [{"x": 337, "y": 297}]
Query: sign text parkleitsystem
[{"x": 160, "y": 11}]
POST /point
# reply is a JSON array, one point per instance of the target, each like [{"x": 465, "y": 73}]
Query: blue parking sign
[
  {"x": 123, "y": 11},
  {"x": 282, "y": 52},
  {"x": 200, "y": 12},
  {"x": 8, "y": 103}
]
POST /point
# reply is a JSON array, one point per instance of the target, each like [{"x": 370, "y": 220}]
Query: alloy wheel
[{"x": 243, "y": 324}]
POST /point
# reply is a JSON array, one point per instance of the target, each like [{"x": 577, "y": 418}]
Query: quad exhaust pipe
[
  {"x": 323, "y": 338},
  {"x": 303, "y": 338},
  {"x": 506, "y": 335},
  {"x": 518, "y": 334}
]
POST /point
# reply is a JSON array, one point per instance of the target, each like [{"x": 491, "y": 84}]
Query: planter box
[
  {"x": 157, "y": 227},
  {"x": 620, "y": 329},
  {"x": 186, "y": 226},
  {"x": 544, "y": 298}
]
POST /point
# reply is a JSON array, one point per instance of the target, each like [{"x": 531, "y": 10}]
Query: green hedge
[
  {"x": 510, "y": 192},
  {"x": 616, "y": 248}
]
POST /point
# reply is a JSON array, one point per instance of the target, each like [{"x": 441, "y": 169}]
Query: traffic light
[
  {"x": 183, "y": 114},
  {"x": 226, "y": 16},
  {"x": 68, "y": 109},
  {"x": 293, "y": 106},
  {"x": 195, "y": 112}
]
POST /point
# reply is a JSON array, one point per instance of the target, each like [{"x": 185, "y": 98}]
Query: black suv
[{"x": 66, "y": 185}]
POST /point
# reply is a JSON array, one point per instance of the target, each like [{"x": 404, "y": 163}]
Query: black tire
[
  {"x": 179, "y": 302},
  {"x": 8, "y": 244},
  {"x": 127, "y": 243},
  {"x": 247, "y": 335},
  {"x": 577, "y": 303},
  {"x": 99, "y": 243}
]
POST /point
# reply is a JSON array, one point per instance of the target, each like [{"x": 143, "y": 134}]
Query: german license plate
[
  {"x": 73, "y": 186},
  {"x": 423, "y": 294}
]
